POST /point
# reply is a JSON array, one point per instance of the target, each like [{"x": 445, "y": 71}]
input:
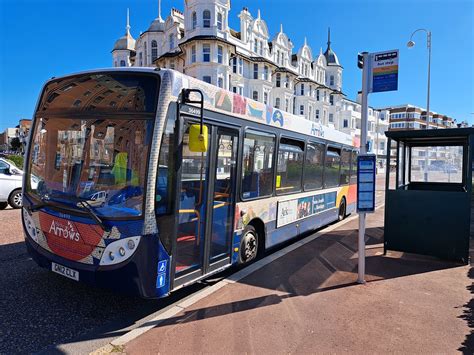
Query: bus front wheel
[{"x": 248, "y": 245}]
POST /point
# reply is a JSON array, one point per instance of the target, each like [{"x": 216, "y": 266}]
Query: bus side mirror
[{"x": 198, "y": 141}]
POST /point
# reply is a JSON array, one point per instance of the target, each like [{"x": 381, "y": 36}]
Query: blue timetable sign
[{"x": 366, "y": 183}]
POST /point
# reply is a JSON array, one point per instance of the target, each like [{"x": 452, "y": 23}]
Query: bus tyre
[
  {"x": 342, "y": 210},
  {"x": 15, "y": 199},
  {"x": 3, "y": 205},
  {"x": 248, "y": 245}
]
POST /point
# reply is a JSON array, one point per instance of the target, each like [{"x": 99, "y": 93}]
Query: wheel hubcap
[
  {"x": 250, "y": 246},
  {"x": 17, "y": 199}
]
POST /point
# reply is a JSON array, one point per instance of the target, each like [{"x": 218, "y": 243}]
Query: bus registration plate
[{"x": 65, "y": 271}]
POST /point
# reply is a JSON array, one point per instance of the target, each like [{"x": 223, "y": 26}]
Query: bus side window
[
  {"x": 314, "y": 166},
  {"x": 290, "y": 166},
  {"x": 257, "y": 164},
  {"x": 332, "y": 167},
  {"x": 345, "y": 167},
  {"x": 165, "y": 173}
]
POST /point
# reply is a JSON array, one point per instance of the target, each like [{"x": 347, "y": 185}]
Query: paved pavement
[
  {"x": 307, "y": 301},
  {"x": 44, "y": 312}
]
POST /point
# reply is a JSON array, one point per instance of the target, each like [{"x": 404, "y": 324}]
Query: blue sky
[{"x": 42, "y": 39}]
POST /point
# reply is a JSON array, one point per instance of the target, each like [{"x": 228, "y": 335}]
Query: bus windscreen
[{"x": 96, "y": 151}]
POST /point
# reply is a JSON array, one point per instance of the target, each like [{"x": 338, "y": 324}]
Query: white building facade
[{"x": 199, "y": 42}]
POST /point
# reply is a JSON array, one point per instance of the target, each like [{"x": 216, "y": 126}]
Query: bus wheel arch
[{"x": 342, "y": 212}]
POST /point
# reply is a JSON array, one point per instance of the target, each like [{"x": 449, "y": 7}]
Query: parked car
[{"x": 10, "y": 184}]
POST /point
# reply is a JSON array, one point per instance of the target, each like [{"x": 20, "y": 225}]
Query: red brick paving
[{"x": 307, "y": 301}]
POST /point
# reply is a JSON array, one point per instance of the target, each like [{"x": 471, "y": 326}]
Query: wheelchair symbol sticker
[{"x": 162, "y": 266}]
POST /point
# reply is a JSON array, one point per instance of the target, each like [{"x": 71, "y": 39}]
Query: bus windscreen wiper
[
  {"x": 81, "y": 203},
  {"x": 87, "y": 207}
]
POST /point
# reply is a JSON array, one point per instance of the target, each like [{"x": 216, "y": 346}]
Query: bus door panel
[
  {"x": 223, "y": 197},
  {"x": 192, "y": 209}
]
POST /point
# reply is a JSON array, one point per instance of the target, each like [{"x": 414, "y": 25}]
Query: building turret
[{"x": 124, "y": 48}]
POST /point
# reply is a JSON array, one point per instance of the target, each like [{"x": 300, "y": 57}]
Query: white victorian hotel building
[{"x": 200, "y": 44}]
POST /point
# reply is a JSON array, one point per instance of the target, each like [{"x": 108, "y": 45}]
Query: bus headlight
[
  {"x": 30, "y": 225},
  {"x": 119, "y": 251}
]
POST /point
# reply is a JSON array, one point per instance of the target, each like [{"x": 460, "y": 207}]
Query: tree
[{"x": 15, "y": 144}]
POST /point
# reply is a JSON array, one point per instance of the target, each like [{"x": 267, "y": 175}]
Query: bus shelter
[{"x": 428, "y": 200}]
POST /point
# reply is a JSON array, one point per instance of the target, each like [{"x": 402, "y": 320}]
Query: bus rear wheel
[
  {"x": 342, "y": 210},
  {"x": 248, "y": 245}
]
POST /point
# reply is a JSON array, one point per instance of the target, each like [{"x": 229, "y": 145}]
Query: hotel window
[
  {"x": 265, "y": 98},
  {"x": 277, "y": 102},
  {"x": 206, "y": 78},
  {"x": 241, "y": 66},
  {"x": 331, "y": 99},
  {"x": 146, "y": 56},
  {"x": 317, "y": 114},
  {"x": 220, "y": 82},
  {"x": 122, "y": 63},
  {"x": 278, "y": 80},
  {"x": 206, "y": 53},
  {"x": 255, "y": 46},
  {"x": 219, "y": 54},
  {"x": 140, "y": 57},
  {"x": 234, "y": 65},
  {"x": 331, "y": 80},
  {"x": 206, "y": 19},
  {"x": 317, "y": 95},
  {"x": 171, "y": 41},
  {"x": 255, "y": 95},
  {"x": 194, "y": 17},
  {"x": 193, "y": 54},
  {"x": 331, "y": 118},
  {"x": 345, "y": 123},
  {"x": 255, "y": 71},
  {"x": 265, "y": 73},
  {"x": 302, "y": 89},
  {"x": 219, "y": 21},
  {"x": 261, "y": 47},
  {"x": 154, "y": 50},
  {"x": 287, "y": 82},
  {"x": 301, "y": 109},
  {"x": 115, "y": 63}
]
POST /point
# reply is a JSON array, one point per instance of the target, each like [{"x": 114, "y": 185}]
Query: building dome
[
  {"x": 330, "y": 55},
  {"x": 125, "y": 42},
  {"x": 158, "y": 25}
]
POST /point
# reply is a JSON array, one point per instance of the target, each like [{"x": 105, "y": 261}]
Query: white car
[{"x": 10, "y": 184}]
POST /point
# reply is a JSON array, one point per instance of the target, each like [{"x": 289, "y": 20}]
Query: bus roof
[{"x": 220, "y": 100}]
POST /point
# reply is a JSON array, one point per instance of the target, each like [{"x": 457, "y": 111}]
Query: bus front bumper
[{"x": 135, "y": 276}]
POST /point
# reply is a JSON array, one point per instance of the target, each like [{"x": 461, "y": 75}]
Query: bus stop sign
[{"x": 366, "y": 183}]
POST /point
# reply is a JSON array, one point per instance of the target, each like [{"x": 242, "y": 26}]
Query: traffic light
[{"x": 360, "y": 60}]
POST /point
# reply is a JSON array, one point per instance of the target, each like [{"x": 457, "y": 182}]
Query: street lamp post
[{"x": 411, "y": 44}]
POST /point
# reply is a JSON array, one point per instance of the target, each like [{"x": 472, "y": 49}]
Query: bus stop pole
[{"x": 363, "y": 150}]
